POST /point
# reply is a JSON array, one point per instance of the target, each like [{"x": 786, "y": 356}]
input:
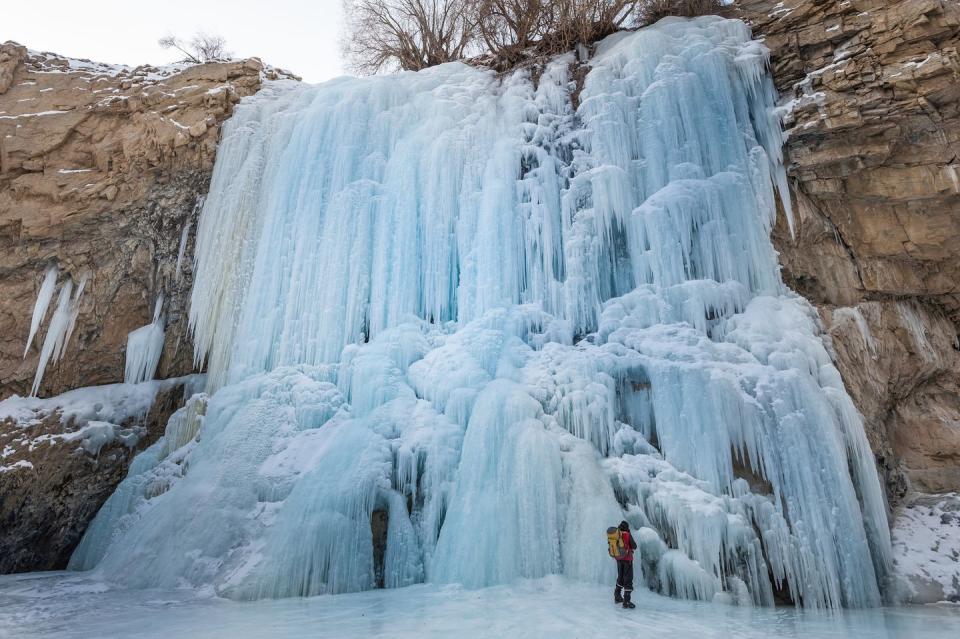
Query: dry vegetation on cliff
[{"x": 410, "y": 35}]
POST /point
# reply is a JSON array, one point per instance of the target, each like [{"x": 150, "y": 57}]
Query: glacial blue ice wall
[{"x": 496, "y": 316}]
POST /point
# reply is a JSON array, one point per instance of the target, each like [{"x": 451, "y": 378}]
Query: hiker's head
[{"x": 624, "y": 526}]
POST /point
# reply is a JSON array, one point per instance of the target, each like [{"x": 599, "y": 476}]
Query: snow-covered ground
[{"x": 76, "y": 606}]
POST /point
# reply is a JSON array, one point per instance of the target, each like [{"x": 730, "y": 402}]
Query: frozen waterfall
[{"x": 456, "y": 325}]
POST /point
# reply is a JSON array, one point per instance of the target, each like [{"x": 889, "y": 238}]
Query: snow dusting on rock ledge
[
  {"x": 61, "y": 457},
  {"x": 47, "y": 62},
  {"x": 91, "y": 416}
]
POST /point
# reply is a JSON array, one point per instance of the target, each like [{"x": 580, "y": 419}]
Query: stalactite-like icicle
[
  {"x": 182, "y": 249},
  {"x": 503, "y": 323},
  {"x": 144, "y": 348},
  {"x": 61, "y": 327},
  {"x": 44, "y": 296}
]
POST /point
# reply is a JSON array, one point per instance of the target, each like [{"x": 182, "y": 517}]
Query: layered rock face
[
  {"x": 101, "y": 170},
  {"x": 872, "y": 102}
]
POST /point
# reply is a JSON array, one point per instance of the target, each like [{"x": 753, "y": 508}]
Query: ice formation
[
  {"x": 181, "y": 251},
  {"x": 457, "y": 324},
  {"x": 144, "y": 348},
  {"x": 44, "y": 295},
  {"x": 61, "y": 324},
  {"x": 185, "y": 236},
  {"x": 854, "y": 315}
]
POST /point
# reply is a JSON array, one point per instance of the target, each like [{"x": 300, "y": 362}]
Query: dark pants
[{"x": 625, "y": 578}]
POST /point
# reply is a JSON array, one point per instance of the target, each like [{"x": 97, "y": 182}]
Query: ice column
[{"x": 43, "y": 302}]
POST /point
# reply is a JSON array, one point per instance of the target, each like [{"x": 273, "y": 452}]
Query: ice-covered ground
[{"x": 49, "y": 605}]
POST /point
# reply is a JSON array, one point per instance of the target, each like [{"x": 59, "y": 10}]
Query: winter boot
[
  {"x": 626, "y": 600},
  {"x": 616, "y": 595}
]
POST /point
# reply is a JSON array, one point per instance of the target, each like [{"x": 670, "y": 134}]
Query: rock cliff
[
  {"x": 871, "y": 93},
  {"x": 62, "y": 458},
  {"x": 101, "y": 168}
]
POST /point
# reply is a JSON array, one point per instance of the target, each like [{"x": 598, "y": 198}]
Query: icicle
[
  {"x": 60, "y": 328},
  {"x": 854, "y": 314},
  {"x": 144, "y": 348},
  {"x": 910, "y": 320},
  {"x": 184, "y": 236},
  {"x": 74, "y": 313},
  {"x": 43, "y": 301}
]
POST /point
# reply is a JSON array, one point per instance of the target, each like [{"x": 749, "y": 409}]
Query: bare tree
[
  {"x": 514, "y": 29},
  {"x": 508, "y": 27},
  {"x": 202, "y": 47},
  {"x": 386, "y": 35},
  {"x": 210, "y": 47},
  {"x": 575, "y": 22},
  {"x": 411, "y": 35}
]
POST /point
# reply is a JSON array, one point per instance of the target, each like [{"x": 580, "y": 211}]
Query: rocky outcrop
[
  {"x": 871, "y": 92},
  {"x": 61, "y": 458},
  {"x": 101, "y": 169}
]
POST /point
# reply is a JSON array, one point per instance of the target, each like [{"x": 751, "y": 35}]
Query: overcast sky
[{"x": 299, "y": 35}]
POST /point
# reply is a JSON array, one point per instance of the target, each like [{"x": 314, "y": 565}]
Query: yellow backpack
[{"x": 615, "y": 545}]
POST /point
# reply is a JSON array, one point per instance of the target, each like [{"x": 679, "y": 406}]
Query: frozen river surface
[{"x": 77, "y": 606}]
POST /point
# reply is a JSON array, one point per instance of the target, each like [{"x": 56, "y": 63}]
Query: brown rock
[
  {"x": 873, "y": 153},
  {"x": 100, "y": 169},
  {"x": 11, "y": 55}
]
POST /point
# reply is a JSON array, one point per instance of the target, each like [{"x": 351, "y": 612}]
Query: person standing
[{"x": 625, "y": 567}]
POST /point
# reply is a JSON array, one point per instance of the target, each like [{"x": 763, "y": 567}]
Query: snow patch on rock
[{"x": 926, "y": 548}]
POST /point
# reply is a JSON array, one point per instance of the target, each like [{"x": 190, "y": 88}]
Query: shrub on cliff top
[{"x": 202, "y": 47}]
